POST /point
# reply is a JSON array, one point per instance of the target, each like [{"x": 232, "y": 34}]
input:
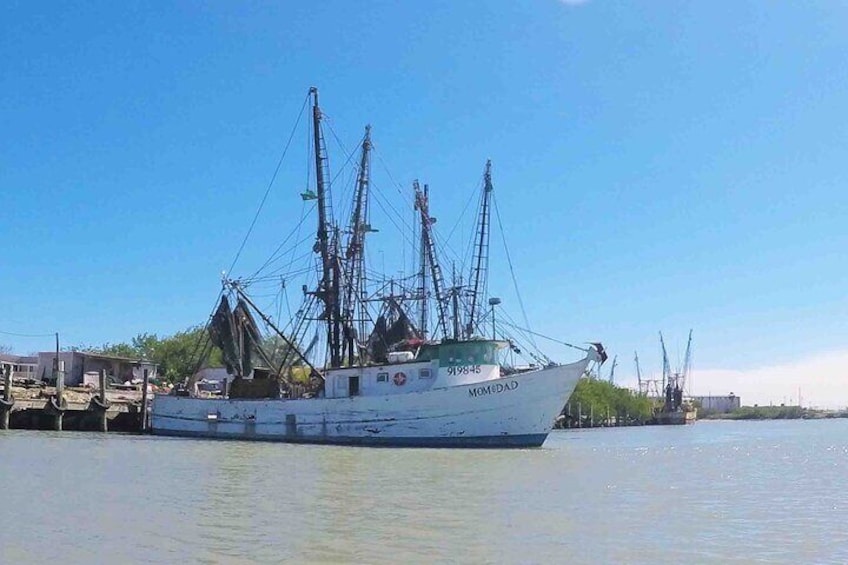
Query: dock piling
[
  {"x": 144, "y": 385},
  {"x": 100, "y": 405},
  {"x": 7, "y": 401},
  {"x": 58, "y": 402}
]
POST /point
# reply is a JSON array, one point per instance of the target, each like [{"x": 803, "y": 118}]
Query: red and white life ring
[{"x": 399, "y": 379}]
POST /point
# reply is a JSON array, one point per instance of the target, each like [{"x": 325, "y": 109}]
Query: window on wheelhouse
[
  {"x": 382, "y": 377},
  {"x": 354, "y": 386},
  {"x": 424, "y": 374}
]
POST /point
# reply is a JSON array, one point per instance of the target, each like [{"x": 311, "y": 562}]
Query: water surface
[{"x": 715, "y": 492}]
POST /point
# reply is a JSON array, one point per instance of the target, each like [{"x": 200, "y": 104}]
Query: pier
[{"x": 29, "y": 404}]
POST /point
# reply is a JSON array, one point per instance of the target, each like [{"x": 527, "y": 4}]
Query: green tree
[
  {"x": 178, "y": 355},
  {"x": 602, "y": 397}
]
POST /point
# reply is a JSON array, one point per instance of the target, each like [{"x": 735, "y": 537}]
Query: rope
[
  {"x": 511, "y": 269},
  {"x": 543, "y": 336},
  {"x": 278, "y": 253},
  {"x": 270, "y": 184}
]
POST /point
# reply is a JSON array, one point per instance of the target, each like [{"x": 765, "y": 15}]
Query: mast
[
  {"x": 423, "y": 206},
  {"x": 481, "y": 254},
  {"x": 355, "y": 254},
  {"x": 327, "y": 287},
  {"x": 335, "y": 318},
  {"x": 612, "y": 369},
  {"x": 687, "y": 363},
  {"x": 455, "y": 302},
  {"x": 422, "y": 270},
  {"x": 638, "y": 371},
  {"x": 666, "y": 376}
]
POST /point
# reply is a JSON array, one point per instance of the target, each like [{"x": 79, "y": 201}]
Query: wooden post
[
  {"x": 104, "y": 421},
  {"x": 144, "y": 384},
  {"x": 592, "y": 416},
  {"x": 579, "y": 415},
  {"x": 6, "y": 409},
  {"x": 568, "y": 415},
  {"x": 60, "y": 391}
]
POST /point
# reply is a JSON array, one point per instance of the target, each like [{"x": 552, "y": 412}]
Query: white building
[
  {"x": 83, "y": 366},
  {"x": 718, "y": 404},
  {"x": 22, "y": 367}
]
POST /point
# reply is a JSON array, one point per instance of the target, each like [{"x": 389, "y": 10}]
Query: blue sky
[{"x": 659, "y": 166}]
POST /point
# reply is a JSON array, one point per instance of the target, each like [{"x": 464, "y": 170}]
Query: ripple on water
[{"x": 713, "y": 492}]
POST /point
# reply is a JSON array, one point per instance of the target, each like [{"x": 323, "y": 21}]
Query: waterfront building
[
  {"x": 83, "y": 367},
  {"x": 22, "y": 367},
  {"x": 717, "y": 404}
]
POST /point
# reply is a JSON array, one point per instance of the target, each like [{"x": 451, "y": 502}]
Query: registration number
[{"x": 464, "y": 370}]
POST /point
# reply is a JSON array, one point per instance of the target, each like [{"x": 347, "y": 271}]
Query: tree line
[{"x": 602, "y": 398}]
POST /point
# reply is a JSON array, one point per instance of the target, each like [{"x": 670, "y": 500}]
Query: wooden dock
[{"x": 32, "y": 405}]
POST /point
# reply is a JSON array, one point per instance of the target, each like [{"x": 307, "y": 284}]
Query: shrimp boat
[{"x": 373, "y": 373}]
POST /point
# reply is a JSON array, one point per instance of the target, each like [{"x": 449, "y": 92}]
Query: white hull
[{"x": 513, "y": 411}]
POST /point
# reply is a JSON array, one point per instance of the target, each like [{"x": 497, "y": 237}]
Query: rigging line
[
  {"x": 280, "y": 268},
  {"x": 270, "y": 184},
  {"x": 327, "y": 119},
  {"x": 27, "y": 335},
  {"x": 396, "y": 184},
  {"x": 535, "y": 354},
  {"x": 297, "y": 236},
  {"x": 349, "y": 155},
  {"x": 443, "y": 247},
  {"x": 526, "y": 355},
  {"x": 346, "y": 163},
  {"x": 445, "y": 250},
  {"x": 275, "y": 274},
  {"x": 295, "y": 232},
  {"x": 389, "y": 216},
  {"x": 471, "y": 246},
  {"x": 377, "y": 192},
  {"x": 527, "y": 340},
  {"x": 509, "y": 262},
  {"x": 543, "y": 336},
  {"x": 462, "y": 214},
  {"x": 285, "y": 296},
  {"x": 294, "y": 256},
  {"x": 409, "y": 200},
  {"x": 205, "y": 333}
]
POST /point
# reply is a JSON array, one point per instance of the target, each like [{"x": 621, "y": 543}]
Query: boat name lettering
[
  {"x": 493, "y": 388},
  {"x": 464, "y": 370}
]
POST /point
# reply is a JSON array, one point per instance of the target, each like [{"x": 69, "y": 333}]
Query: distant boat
[
  {"x": 671, "y": 406},
  {"x": 398, "y": 387}
]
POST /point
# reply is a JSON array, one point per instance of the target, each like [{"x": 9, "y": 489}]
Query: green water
[{"x": 715, "y": 492}]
